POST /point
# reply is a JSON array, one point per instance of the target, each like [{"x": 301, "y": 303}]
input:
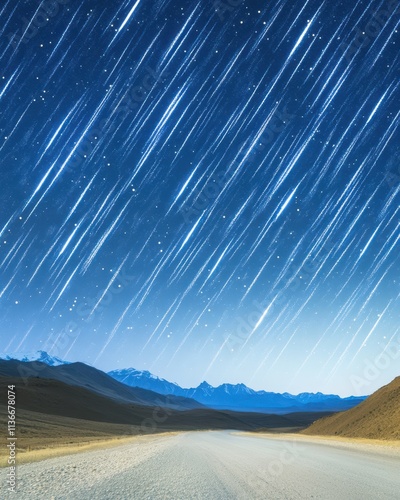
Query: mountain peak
[
  {"x": 41, "y": 356},
  {"x": 204, "y": 385}
]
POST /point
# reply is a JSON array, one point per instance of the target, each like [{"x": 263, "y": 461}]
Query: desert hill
[{"x": 378, "y": 417}]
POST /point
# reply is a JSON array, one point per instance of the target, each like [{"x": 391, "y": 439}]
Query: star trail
[{"x": 207, "y": 190}]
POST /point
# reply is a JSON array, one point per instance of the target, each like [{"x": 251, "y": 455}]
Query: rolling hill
[
  {"x": 82, "y": 375},
  {"x": 49, "y": 397}
]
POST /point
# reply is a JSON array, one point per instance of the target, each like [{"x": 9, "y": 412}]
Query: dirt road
[{"x": 212, "y": 465}]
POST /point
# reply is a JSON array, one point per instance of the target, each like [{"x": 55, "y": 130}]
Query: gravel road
[{"x": 212, "y": 465}]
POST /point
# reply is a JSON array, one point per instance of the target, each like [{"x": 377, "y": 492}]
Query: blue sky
[{"x": 205, "y": 190}]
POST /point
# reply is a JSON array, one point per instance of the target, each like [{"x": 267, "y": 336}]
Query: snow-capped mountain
[
  {"x": 146, "y": 380},
  {"x": 41, "y": 356},
  {"x": 237, "y": 397},
  {"x": 306, "y": 397}
]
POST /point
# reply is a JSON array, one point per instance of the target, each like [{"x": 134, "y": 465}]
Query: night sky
[{"x": 203, "y": 190}]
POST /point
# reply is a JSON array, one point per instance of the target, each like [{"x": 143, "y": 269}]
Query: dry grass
[
  {"x": 41, "y": 436},
  {"x": 55, "y": 449}
]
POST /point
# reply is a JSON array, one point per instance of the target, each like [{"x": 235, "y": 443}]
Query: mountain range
[
  {"x": 96, "y": 381},
  {"x": 238, "y": 397},
  {"x": 232, "y": 397},
  {"x": 41, "y": 356}
]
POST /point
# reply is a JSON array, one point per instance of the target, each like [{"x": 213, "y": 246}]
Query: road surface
[{"x": 212, "y": 465}]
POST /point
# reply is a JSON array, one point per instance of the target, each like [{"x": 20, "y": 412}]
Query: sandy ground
[
  {"x": 221, "y": 465},
  {"x": 41, "y": 436}
]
